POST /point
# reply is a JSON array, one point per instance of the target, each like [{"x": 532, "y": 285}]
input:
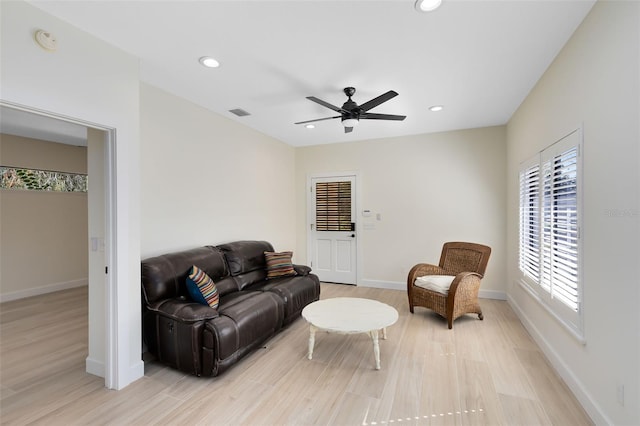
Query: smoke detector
[{"x": 46, "y": 40}]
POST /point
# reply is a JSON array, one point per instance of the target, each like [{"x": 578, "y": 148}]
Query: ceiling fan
[{"x": 351, "y": 113}]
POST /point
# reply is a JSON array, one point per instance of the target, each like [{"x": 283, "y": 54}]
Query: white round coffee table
[{"x": 350, "y": 315}]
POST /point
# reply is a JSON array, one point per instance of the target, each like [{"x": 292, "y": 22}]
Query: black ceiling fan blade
[
  {"x": 317, "y": 119},
  {"x": 377, "y": 101},
  {"x": 348, "y": 129},
  {"x": 373, "y": 116},
  {"x": 325, "y": 104}
]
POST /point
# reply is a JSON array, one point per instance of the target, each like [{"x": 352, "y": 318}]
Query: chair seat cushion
[{"x": 437, "y": 283}]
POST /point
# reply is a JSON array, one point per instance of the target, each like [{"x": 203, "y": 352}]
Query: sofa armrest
[
  {"x": 184, "y": 310},
  {"x": 302, "y": 269}
]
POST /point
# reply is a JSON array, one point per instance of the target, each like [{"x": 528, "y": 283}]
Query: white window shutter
[
  {"x": 530, "y": 222},
  {"x": 560, "y": 229}
]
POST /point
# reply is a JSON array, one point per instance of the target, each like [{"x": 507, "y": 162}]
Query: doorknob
[{"x": 353, "y": 235}]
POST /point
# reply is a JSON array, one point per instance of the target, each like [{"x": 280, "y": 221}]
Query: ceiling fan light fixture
[
  {"x": 209, "y": 62},
  {"x": 427, "y": 5},
  {"x": 436, "y": 108},
  {"x": 310, "y": 126},
  {"x": 350, "y": 122}
]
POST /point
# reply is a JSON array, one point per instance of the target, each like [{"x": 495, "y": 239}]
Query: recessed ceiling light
[
  {"x": 310, "y": 126},
  {"x": 209, "y": 62},
  {"x": 436, "y": 108},
  {"x": 427, "y": 5}
]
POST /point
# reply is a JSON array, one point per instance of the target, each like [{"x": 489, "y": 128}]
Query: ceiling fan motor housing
[
  {"x": 353, "y": 111},
  {"x": 351, "y": 108}
]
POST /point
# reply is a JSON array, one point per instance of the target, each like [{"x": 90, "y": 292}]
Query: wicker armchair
[{"x": 467, "y": 262}]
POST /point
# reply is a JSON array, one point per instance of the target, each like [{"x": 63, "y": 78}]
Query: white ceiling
[{"x": 477, "y": 58}]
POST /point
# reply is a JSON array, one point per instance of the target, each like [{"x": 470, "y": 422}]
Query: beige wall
[
  {"x": 207, "y": 179},
  {"x": 594, "y": 82},
  {"x": 96, "y": 155},
  {"x": 44, "y": 234},
  {"x": 428, "y": 189}
]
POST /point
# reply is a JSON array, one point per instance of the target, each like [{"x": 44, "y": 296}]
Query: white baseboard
[
  {"x": 136, "y": 371},
  {"x": 395, "y": 285},
  {"x": 390, "y": 285},
  {"x": 492, "y": 294},
  {"x": 588, "y": 403},
  {"x": 94, "y": 367},
  {"x": 37, "y": 291}
]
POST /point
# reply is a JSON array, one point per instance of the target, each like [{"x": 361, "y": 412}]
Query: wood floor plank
[
  {"x": 479, "y": 402},
  {"x": 114, "y": 403},
  {"x": 54, "y": 392},
  {"x": 512, "y": 327},
  {"x": 559, "y": 403},
  {"x": 440, "y": 389},
  {"x": 400, "y": 397},
  {"x": 523, "y": 411},
  {"x": 480, "y": 372},
  {"x": 509, "y": 376},
  {"x": 279, "y": 407},
  {"x": 353, "y": 409},
  {"x": 324, "y": 395},
  {"x": 370, "y": 382}
]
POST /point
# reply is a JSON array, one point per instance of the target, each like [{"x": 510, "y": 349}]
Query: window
[
  {"x": 333, "y": 206},
  {"x": 549, "y": 250},
  {"x": 41, "y": 180}
]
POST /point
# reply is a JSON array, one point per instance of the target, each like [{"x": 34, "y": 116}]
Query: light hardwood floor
[{"x": 480, "y": 373}]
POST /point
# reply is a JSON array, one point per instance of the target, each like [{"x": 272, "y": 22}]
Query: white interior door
[{"x": 333, "y": 229}]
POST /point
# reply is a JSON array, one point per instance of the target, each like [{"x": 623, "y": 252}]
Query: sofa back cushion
[
  {"x": 164, "y": 277},
  {"x": 246, "y": 261}
]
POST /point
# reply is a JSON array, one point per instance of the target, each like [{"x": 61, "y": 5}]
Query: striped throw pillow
[
  {"x": 279, "y": 264},
  {"x": 202, "y": 288}
]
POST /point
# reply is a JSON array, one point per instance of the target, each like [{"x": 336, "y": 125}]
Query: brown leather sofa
[{"x": 200, "y": 340}]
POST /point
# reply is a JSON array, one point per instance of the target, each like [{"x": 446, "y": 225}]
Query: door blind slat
[{"x": 333, "y": 206}]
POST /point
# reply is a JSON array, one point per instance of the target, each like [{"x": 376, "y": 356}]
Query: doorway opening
[{"x": 100, "y": 140}]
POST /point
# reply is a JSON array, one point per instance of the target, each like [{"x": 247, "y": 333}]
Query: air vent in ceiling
[{"x": 239, "y": 112}]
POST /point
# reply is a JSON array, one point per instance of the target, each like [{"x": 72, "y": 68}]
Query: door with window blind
[{"x": 332, "y": 229}]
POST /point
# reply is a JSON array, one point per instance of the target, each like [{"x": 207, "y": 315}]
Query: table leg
[
  {"x": 384, "y": 333},
  {"x": 376, "y": 347},
  {"x": 312, "y": 340}
]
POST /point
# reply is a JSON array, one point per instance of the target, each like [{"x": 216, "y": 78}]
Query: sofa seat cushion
[
  {"x": 296, "y": 292},
  {"x": 246, "y": 319},
  {"x": 232, "y": 299}
]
